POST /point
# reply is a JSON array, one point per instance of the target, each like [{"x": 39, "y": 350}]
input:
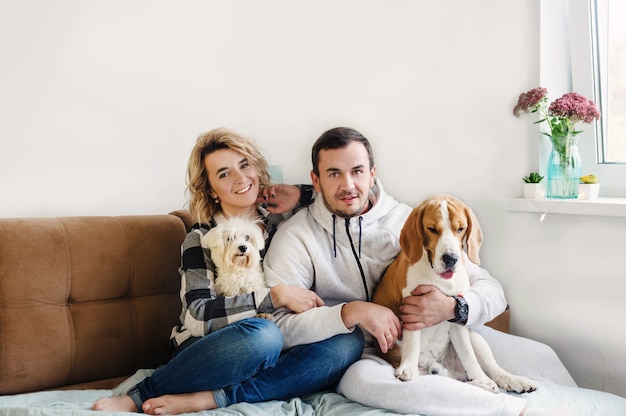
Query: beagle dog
[{"x": 439, "y": 237}]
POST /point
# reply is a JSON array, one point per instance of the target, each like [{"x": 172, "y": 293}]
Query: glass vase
[{"x": 564, "y": 168}]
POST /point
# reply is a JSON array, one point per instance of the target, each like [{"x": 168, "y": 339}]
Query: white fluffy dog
[{"x": 235, "y": 246}]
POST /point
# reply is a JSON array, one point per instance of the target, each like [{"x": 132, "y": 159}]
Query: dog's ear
[
  {"x": 213, "y": 237},
  {"x": 412, "y": 235},
  {"x": 473, "y": 236},
  {"x": 257, "y": 238}
]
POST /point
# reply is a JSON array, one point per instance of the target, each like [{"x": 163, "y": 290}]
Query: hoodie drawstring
[
  {"x": 357, "y": 257},
  {"x": 334, "y": 235},
  {"x": 360, "y": 234}
]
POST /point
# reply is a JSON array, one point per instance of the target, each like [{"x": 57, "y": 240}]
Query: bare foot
[
  {"x": 115, "y": 404},
  {"x": 174, "y": 404}
]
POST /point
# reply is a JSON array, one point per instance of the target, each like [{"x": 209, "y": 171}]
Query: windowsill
[{"x": 604, "y": 206}]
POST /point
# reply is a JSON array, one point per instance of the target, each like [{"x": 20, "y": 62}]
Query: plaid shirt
[{"x": 203, "y": 311}]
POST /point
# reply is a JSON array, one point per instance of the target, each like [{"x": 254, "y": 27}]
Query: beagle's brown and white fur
[{"x": 436, "y": 241}]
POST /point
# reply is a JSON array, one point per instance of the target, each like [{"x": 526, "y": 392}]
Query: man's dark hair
[{"x": 338, "y": 138}]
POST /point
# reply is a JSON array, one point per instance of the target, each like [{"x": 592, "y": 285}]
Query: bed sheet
[{"x": 584, "y": 402}]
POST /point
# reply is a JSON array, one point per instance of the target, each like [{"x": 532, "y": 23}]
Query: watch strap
[{"x": 461, "y": 310}]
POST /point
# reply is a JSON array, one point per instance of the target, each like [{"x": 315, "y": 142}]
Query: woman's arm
[{"x": 283, "y": 198}]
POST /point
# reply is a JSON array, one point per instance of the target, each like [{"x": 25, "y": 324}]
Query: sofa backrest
[{"x": 84, "y": 299}]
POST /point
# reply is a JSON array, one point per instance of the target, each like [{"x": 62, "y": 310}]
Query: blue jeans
[{"x": 242, "y": 362}]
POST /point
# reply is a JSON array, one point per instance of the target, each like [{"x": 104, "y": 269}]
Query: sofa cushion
[{"x": 86, "y": 298}]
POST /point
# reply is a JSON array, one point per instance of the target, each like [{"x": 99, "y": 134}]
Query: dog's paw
[
  {"x": 267, "y": 316},
  {"x": 518, "y": 384},
  {"x": 405, "y": 374},
  {"x": 485, "y": 383}
]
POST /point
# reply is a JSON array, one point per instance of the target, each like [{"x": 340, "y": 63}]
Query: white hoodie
[{"x": 313, "y": 250}]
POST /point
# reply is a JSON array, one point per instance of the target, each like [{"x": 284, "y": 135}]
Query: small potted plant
[
  {"x": 588, "y": 188},
  {"x": 532, "y": 185}
]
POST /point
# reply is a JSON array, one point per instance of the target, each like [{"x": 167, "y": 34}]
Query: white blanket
[{"x": 78, "y": 403}]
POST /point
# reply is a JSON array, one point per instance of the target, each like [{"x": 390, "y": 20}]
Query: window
[
  {"x": 597, "y": 59},
  {"x": 609, "y": 54}
]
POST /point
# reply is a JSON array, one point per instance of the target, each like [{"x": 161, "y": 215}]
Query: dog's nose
[
  {"x": 243, "y": 248},
  {"x": 449, "y": 260}
]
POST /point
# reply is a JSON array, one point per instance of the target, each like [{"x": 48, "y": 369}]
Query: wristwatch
[{"x": 461, "y": 310}]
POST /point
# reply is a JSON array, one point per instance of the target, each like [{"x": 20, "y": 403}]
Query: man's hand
[
  {"x": 294, "y": 298},
  {"x": 378, "y": 320},
  {"x": 279, "y": 198},
  {"x": 426, "y": 306}
]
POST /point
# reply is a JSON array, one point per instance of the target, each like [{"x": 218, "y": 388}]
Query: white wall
[{"x": 101, "y": 102}]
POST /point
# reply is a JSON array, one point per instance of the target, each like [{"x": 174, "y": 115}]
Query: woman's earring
[{"x": 217, "y": 201}]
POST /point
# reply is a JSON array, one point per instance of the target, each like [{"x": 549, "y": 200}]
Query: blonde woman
[{"x": 223, "y": 354}]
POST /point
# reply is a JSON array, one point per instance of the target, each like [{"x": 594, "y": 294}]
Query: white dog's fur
[
  {"x": 440, "y": 227},
  {"x": 235, "y": 246}
]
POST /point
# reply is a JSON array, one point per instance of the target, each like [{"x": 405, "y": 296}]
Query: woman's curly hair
[{"x": 202, "y": 206}]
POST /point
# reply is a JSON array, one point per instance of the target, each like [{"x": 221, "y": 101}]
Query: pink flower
[
  {"x": 574, "y": 107},
  {"x": 562, "y": 114},
  {"x": 529, "y": 101}
]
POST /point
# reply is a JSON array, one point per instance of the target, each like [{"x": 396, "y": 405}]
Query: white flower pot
[
  {"x": 533, "y": 190},
  {"x": 588, "y": 190}
]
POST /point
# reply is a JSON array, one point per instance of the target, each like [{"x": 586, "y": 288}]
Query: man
[{"x": 340, "y": 247}]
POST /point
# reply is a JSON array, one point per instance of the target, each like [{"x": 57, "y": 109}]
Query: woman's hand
[
  {"x": 294, "y": 298},
  {"x": 279, "y": 198},
  {"x": 378, "y": 320}
]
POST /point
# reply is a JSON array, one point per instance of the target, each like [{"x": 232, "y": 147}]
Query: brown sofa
[{"x": 86, "y": 301}]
